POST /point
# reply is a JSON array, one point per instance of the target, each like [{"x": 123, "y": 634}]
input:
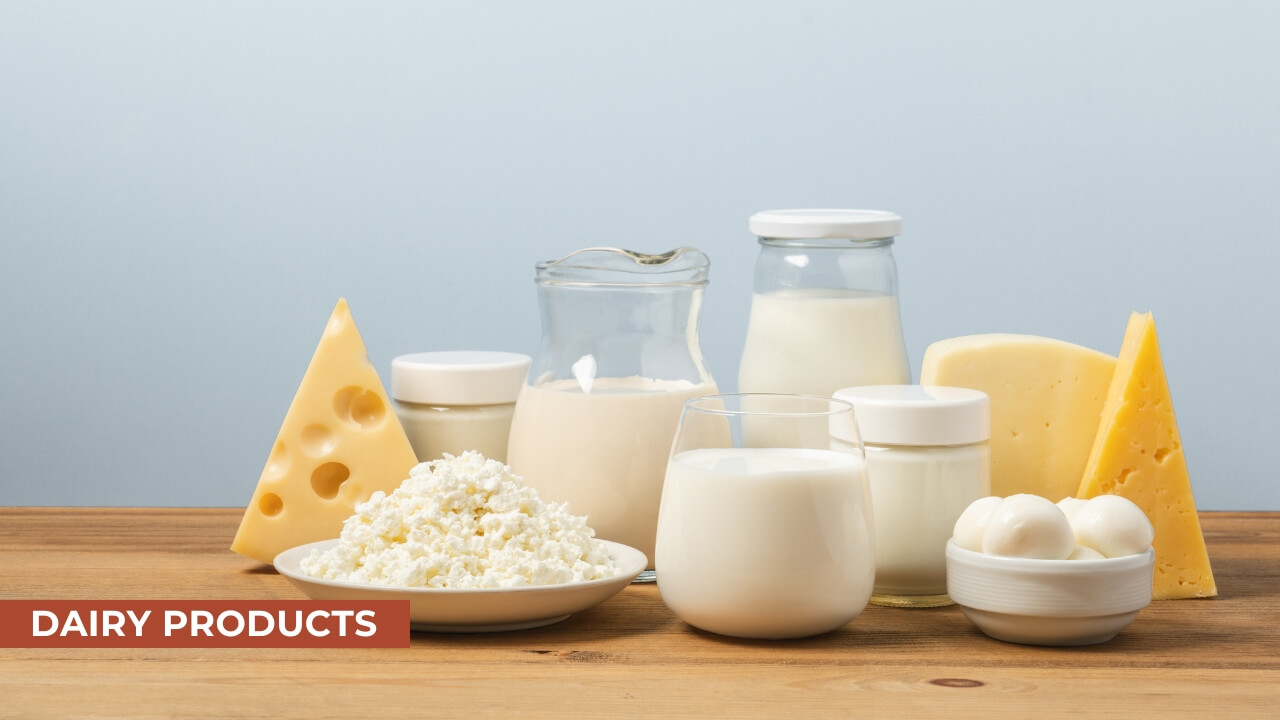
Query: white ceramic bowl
[{"x": 1049, "y": 602}]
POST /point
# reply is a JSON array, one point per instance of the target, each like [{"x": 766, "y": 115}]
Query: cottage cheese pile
[{"x": 462, "y": 522}]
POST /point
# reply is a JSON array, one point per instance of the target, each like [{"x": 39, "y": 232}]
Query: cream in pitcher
[{"x": 619, "y": 357}]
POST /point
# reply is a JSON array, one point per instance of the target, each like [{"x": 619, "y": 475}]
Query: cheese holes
[
  {"x": 270, "y": 504},
  {"x": 318, "y": 440},
  {"x": 358, "y": 406},
  {"x": 326, "y": 479},
  {"x": 278, "y": 461}
]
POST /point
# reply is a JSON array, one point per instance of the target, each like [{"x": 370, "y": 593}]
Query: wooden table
[{"x": 627, "y": 657}]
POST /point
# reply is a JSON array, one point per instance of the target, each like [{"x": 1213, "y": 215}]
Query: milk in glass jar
[{"x": 824, "y": 312}]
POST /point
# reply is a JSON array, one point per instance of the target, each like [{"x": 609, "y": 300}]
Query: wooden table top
[{"x": 627, "y": 657}]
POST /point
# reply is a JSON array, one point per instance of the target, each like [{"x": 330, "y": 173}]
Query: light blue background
[{"x": 187, "y": 188}]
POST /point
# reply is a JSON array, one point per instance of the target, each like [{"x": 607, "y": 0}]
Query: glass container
[
  {"x": 457, "y": 400},
  {"x": 824, "y": 311},
  {"x": 928, "y": 458},
  {"x": 765, "y": 528},
  {"x": 619, "y": 357}
]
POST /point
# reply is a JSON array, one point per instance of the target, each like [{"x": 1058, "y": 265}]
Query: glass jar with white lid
[
  {"x": 824, "y": 308},
  {"x": 459, "y": 400},
  {"x": 928, "y": 457}
]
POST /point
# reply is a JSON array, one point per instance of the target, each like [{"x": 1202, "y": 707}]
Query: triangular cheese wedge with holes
[
  {"x": 1138, "y": 455},
  {"x": 340, "y": 442}
]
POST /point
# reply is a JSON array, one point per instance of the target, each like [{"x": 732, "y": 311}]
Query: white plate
[{"x": 482, "y": 610}]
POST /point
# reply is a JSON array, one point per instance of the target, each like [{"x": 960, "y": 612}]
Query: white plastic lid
[
  {"x": 802, "y": 224},
  {"x": 459, "y": 377},
  {"x": 919, "y": 414}
]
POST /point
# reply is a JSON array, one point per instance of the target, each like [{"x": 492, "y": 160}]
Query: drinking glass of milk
[
  {"x": 824, "y": 312},
  {"x": 766, "y": 533},
  {"x": 618, "y": 359}
]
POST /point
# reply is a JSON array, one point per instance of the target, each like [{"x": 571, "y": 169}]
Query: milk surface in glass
[
  {"x": 816, "y": 341},
  {"x": 765, "y": 542},
  {"x": 608, "y": 452}
]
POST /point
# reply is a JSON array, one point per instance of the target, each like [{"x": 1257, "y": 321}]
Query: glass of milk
[
  {"x": 766, "y": 527},
  {"x": 619, "y": 357},
  {"x": 824, "y": 310}
]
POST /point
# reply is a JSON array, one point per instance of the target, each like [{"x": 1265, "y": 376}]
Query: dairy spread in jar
[
  {"x": 455, "y": 401},
  {"x": 928, "y": 457}
]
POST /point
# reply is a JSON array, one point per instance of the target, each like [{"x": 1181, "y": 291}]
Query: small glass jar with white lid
[
  {"x": 824, "y": 307},
  {"x": 928, "y": 457},
  {"x": 455, "y": 401}
]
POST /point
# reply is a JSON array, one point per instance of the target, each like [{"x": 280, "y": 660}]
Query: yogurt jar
[
  {"x": 454, "y": 401},
  {"x": 928, "y": 458}
]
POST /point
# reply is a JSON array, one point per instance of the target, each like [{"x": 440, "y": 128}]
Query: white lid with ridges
[
  {"x": 919, "y": 414},
  {"x": 459, "y": 377}
]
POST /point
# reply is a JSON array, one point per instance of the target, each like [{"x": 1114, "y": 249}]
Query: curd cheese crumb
[{"x": 462, "y": 522}]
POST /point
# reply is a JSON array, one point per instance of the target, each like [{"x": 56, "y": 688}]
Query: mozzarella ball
[
  {"x": 1085, "y": 553},
  {"x": 1028, "y": 526},
  {"x": 1113, "y": 526},
  {"x": 1071, "y": 505},
  {"x": 972, "y": 523}
]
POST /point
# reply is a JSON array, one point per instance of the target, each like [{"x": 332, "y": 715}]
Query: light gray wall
[{"x": 186, "y": 189}]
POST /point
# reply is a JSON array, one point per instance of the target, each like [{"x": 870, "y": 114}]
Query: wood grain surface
[{"x": 629, "y": 657}]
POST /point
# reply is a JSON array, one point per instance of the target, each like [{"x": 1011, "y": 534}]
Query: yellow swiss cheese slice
[
  {"x": 1046, "y": 398},
  {"x": 1138, "y": 455},
  {"x": 340, "y": 442}
]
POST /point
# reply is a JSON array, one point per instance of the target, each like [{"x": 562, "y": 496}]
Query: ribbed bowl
[{"x": 1049, "y": 602}]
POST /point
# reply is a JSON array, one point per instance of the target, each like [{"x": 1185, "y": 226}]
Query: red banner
[{"x": 203, "y": 623}]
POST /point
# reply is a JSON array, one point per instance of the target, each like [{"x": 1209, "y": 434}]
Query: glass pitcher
[{"x": 619, "y": 356}]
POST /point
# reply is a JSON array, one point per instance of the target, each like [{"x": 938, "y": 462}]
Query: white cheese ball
[
  {"x": 1085, "y": 553},
  {"x": 972, "y": 523},
  {"x": 1071, "y": 505},
  {"x": 1113, "y": 526},
  {"x": 1029, "y": 526}
]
